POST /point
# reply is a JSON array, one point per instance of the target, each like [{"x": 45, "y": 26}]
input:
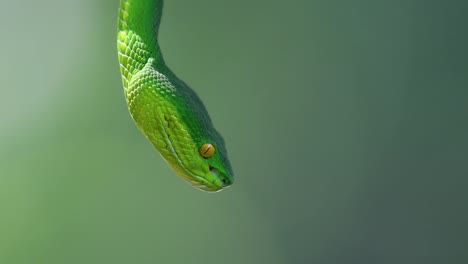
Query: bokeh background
[{"x": 345, "y": 122}]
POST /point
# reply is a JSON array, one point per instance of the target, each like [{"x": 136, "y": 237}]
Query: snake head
[
  {"x": 176, "y": 122},
  {"x": 208, "y": 169}
]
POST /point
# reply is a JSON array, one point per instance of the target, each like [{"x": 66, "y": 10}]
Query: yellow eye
[{"x": 207, "y": 150}]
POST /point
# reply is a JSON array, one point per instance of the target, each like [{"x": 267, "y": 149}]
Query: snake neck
[
  {"x": 138, "y": 33},
  {"x": 141, "y": 16}
]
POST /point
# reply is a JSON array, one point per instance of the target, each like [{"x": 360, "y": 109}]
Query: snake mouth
[
  {"x": 219, "y": 183},
  {"x": 205, "y": 185}
]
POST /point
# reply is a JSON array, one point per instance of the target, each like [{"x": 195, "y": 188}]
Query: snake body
[{"x": 165, "y": 109}]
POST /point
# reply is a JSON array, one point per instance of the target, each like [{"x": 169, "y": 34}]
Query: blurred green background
[{"x": 345, "y": 122}]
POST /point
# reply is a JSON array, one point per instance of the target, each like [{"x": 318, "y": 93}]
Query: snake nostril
[{"x": 224, "y": 181}]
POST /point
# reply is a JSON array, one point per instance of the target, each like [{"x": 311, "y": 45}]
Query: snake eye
[{"x": 207, "y": 150}]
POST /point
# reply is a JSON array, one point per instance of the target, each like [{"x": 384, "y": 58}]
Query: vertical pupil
[{"x": 207, "y": 150}]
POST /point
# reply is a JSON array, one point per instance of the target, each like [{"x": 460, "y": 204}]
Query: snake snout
[{"x": 224, "y": 180}]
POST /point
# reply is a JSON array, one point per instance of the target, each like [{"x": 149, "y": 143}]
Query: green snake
[{"x": 165, "y": 109}]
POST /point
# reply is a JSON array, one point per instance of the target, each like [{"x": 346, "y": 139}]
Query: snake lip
[
  {"x": 205, "y": 185},
  {"x": 210, "y": 186}
]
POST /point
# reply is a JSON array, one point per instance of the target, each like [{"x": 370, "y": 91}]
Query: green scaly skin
[{"x": 163, "y": 107}]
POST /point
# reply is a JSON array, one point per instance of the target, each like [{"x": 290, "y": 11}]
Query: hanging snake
[{"x": 165, "y": 109}]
